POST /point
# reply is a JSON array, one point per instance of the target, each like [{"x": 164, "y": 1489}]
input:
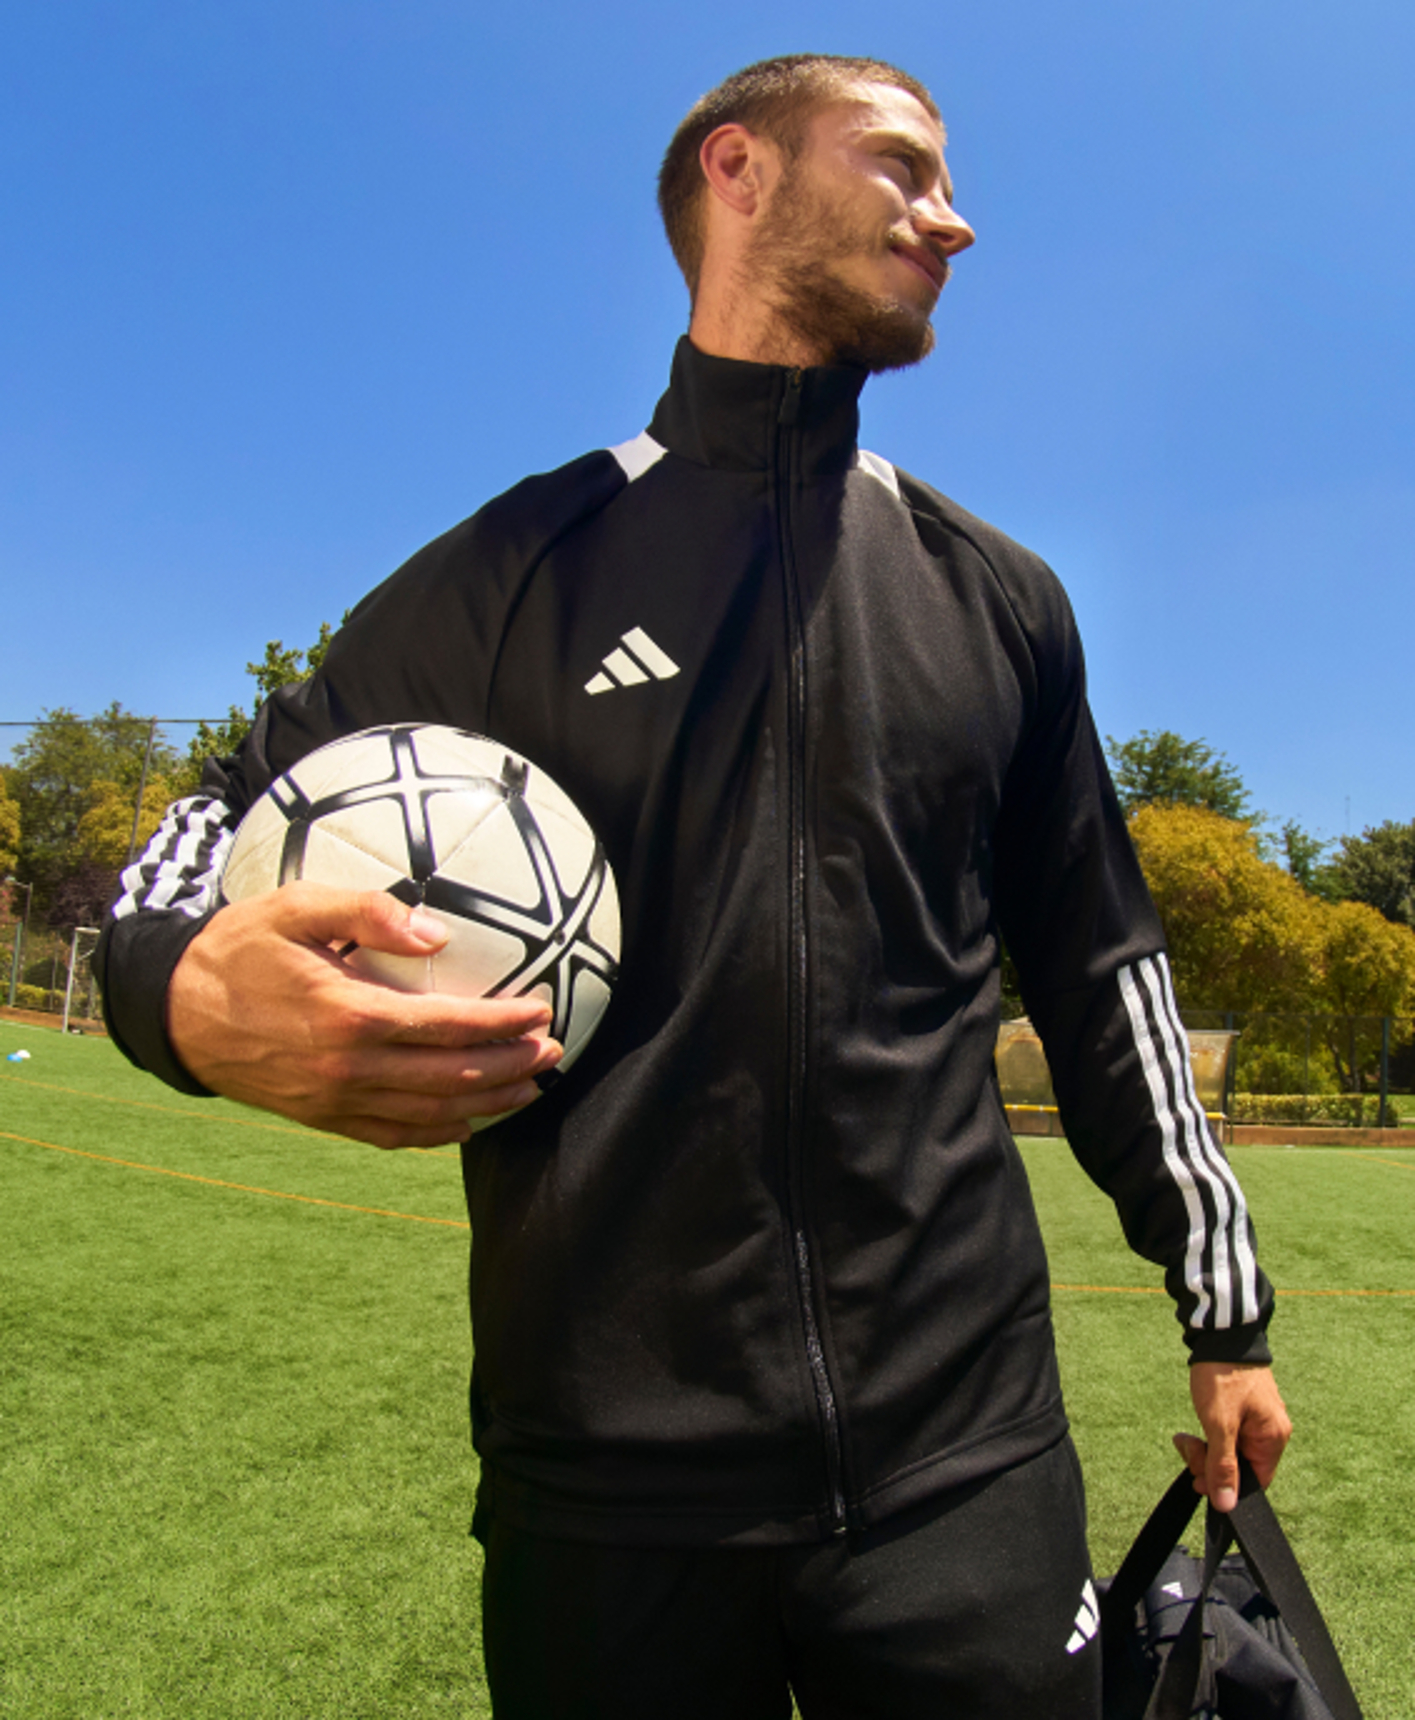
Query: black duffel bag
[{"x": 1217, "y": 1639}]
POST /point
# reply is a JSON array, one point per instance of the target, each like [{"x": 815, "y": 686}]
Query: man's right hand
[{"x": 261, "y": 1009}]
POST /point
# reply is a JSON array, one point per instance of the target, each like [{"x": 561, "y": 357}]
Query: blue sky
[{"x": 289, "y": 286}]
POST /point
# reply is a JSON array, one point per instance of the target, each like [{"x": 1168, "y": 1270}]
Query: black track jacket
[{"x": 765, "y": 1264}]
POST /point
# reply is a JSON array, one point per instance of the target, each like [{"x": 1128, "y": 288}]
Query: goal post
[{"x": 81, "y": 946}]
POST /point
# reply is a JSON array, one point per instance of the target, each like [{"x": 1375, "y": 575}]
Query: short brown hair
[{"x": 775, "y": 98}]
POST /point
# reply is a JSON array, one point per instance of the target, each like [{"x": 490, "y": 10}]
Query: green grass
[{"x": 234, "y": 1474}]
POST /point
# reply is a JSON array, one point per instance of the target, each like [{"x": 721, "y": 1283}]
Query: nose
[{"x": 935, "y": 218}]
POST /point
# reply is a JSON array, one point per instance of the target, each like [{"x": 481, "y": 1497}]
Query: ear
[{"x": 740, "y": 167}]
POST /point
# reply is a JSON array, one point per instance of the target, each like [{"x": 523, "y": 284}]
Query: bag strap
[
  {"x": 1274, "y": 1568},
  {"x": 1151, "y": 1547},
  {"x": 1178, "y": 1682}
]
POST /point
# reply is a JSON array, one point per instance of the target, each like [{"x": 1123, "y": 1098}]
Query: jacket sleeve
[
  {"x": 1089, "y": 949},
  {"x": 167, "y": 896},
  {"x": 170, "y": 893},
  {"x": 419, "y": 648}
]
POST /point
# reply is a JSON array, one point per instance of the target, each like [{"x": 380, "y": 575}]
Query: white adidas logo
[
  {"x": 1088, "y": 1620},
  {"x": 634, "y": 659}
]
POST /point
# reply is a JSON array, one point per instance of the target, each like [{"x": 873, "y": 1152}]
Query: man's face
[{"x": 853, "y": 248}]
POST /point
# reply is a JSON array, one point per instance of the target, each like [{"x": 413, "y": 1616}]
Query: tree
[
  {"x": 1368, "y": 969},
  {"x": 106, "y": 829},
  {"x": 1303, "y": 855},
  {"x": 9, "y": 829},
  {"x": 61, "y": 768},
  {"x": 1377, "y": 868},
  {"x": 281, "y": 665},
  {"x": 81, "y": 897},
  {"x": 1242, "y": 934},
  {"x": 1162, "y": 769}
]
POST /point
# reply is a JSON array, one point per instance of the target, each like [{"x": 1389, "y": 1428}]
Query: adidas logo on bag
[
  {"x": 1088, "y": 1620},
  {"x": 634, "y": 659}
]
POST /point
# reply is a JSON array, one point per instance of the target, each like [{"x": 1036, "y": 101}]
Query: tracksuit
[{"x": 763, "y": 1270}]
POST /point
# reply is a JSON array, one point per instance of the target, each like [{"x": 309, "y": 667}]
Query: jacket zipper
[{"x": 797, "y": 957}]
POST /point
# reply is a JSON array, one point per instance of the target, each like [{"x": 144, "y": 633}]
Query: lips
[{"x": 933, "y": 267}]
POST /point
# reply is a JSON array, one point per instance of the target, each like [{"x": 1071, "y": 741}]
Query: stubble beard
[{"x": 789, "y": 260}]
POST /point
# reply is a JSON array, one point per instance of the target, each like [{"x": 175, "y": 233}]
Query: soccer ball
[{"x": 485, "y": 841}]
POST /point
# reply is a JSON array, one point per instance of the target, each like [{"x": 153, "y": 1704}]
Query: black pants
[{"x": 975, "y": 1607}]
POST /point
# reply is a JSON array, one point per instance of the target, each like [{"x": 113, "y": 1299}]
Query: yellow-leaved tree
[
  {"x": 9, "y": 829},
  {"x": 1245, "y": 936},
  {"x": 1242, "y": 933},
  {"x": 1368, "y": 969},
  {"x": 106, "y": 829}
]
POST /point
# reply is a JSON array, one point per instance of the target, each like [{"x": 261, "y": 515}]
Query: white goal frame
[{"x": 91, "y": 932}]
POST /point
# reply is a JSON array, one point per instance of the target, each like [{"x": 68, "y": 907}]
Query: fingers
[
  {"x": 421, "y": 1085},
  {"x": 261, "y": 1009},
  {"x": 1195, "y": 1454},
  {"x": 317, "y": 914},
  {"x": 392, "y": 1136},
  {"x": 1240, "y": 1409},
  {"x": 397, "y": 1096}
]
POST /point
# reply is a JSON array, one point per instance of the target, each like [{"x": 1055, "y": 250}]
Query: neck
[{"x": 730, "y": 321}]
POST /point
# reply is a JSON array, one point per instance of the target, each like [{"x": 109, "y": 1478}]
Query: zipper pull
[{"x": 791, "y": 400}]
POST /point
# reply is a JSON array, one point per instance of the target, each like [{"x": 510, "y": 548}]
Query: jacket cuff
[
  {"x": 1240, "y": 1344},
  {"x": 133, "y": 965}
]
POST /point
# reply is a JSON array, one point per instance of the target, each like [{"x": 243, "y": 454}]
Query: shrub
[
  {"x": 1348, "y": 1110},
  {"x": 1286, "y": 1069}
]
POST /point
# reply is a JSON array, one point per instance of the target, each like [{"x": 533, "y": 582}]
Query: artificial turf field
[{"x": 234, "y": 1473}]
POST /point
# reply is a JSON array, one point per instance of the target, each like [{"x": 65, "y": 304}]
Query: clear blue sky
[{"x": 289, "y": 286}]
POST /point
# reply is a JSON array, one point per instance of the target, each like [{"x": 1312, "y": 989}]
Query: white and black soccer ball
[{"x": 473, "y": 832}]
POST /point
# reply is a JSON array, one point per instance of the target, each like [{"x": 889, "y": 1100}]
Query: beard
[{"x": 789, "y": 259}]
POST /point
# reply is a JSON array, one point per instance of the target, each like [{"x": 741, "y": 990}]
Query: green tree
[
  {"x": 1377, "y": 868},
  {"x": 1303, "y": 856},
  {"x": 64, "y": 765},
  {"x": 1162, "y": 769},
  {"x": 281, "y": 665}
]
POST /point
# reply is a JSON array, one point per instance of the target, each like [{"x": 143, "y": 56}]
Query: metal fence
[
  {"x": 1287, "y": 1069},
  {"x": 1316, "y": 1062},
  {"x": 41, "y": 981}
]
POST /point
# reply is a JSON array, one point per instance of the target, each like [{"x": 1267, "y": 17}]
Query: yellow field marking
[
  {"x": 1155, "y": 1290},
  {"x": 241, "y": 1188},
  {"x": 209, "y": 1116},
  {"x": 1396, "y": 1164}
]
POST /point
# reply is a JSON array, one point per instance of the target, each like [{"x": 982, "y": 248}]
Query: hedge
[{"x": 1350, "y": 1110}]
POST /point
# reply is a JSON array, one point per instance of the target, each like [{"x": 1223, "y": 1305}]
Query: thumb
[
  {"x": 374, "y": 919},
  {"x": 1214, "y": 1466},
  {"x": 1221, "y": 1470}
]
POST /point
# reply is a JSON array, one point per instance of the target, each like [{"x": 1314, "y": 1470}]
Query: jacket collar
[{"x": 726, "y": 413}]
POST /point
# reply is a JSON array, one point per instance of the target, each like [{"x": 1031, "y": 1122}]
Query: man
[{"x": 765, "y": 1391}]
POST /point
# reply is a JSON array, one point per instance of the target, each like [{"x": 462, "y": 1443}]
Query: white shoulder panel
[
  {"x": 878, "y": 468},
  {"x": 637, "y": 456}
]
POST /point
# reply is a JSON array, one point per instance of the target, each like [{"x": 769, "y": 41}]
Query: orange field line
[
  {"x": 242, "y": 1188},
  {"x": 208, "y": 1116},
  {"x": 462, "y": 1224},
  {"x": 1395, "y": 1164}
]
